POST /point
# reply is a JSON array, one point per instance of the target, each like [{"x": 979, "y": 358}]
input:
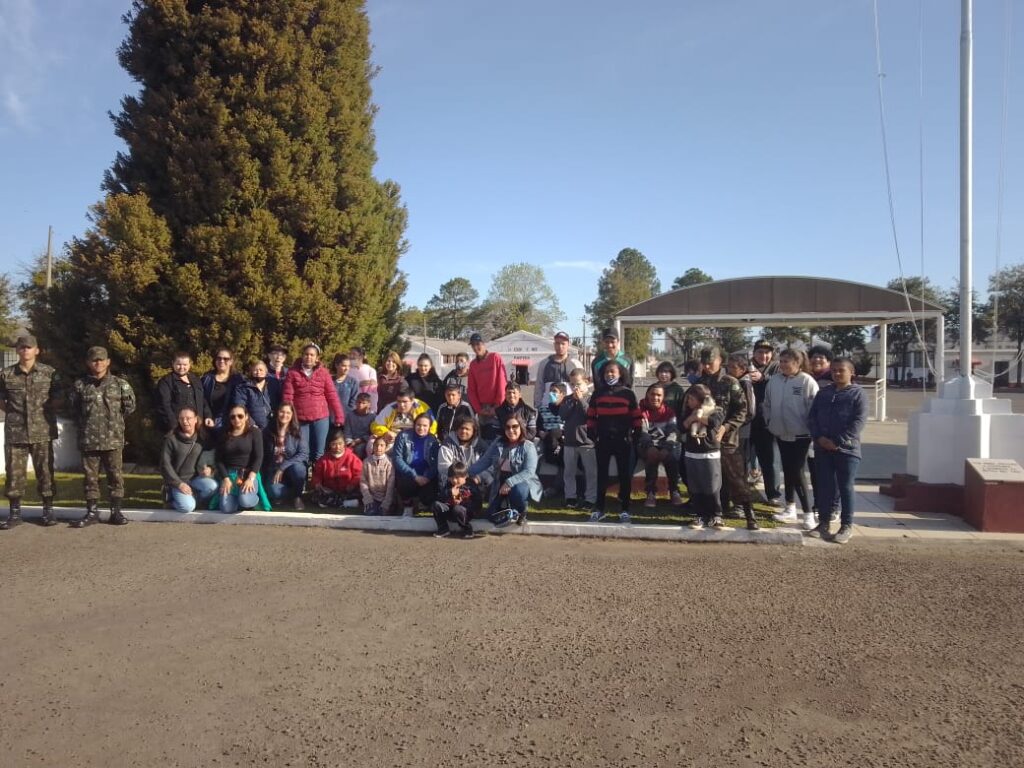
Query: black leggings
[
  {"x": 622, "y": 449},
  {"x": 794, "y": 457}
]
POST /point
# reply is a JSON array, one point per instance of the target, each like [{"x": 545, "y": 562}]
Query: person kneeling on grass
[
  {"x": 239, "y": 459},
  {"x": 415, "y": 457},
  {"x": 512, "y": 462},
  {"x": 186, "y": 463},
  {"x": 458, "y": 503},
  {"x": 702, "y": 452},
  {"x": 285, "y": 458},
  {"x": 336, "y": 475},
  {"x": 377, "y": 483}
]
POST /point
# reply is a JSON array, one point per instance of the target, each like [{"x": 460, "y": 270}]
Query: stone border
[{"x": 425, "y": 525}]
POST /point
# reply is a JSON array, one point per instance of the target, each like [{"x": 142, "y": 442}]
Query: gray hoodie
[{"x": 787, "y": 404}]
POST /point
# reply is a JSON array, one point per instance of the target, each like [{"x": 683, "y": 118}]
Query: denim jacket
[
  {"x": 522, "y": 458},
  {"x": 839, "y": 415}
]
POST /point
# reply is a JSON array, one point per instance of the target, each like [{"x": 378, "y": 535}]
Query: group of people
[{"x": 348, "y": 436}]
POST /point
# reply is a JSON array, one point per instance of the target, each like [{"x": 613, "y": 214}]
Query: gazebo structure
[{"x": 800, "y": 301}]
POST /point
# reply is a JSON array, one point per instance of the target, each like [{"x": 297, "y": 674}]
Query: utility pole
[
  {"x": 583, "y": 352},
  {"x": 49, "y": 258},
  {"x": 966, "y": 196}
]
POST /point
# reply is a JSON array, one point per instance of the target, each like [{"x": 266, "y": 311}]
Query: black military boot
[
  {"x": 116, "y": 515},
  {"x": 47, "y": 519},
  {"x": 92, "y": 515},
  {"x": 748, "y": 512},
  {"x": 13, "y": 517}
]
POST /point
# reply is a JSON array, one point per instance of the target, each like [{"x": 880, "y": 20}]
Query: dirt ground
[{"x": 189, "y": 645}]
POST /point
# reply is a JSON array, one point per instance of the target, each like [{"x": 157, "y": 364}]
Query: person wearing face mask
[
  {"x": 459, "y": 374},
  {"x": 259, "y": 394},
  {"x": 549, "y": 423},
  {"x": 612, "y": 353},
  {"x": 514, "y": 405},
  {"x": 553, "y": 369},
  {"x": 613, "y": 421},
  {"x": 426, "y": 384}
]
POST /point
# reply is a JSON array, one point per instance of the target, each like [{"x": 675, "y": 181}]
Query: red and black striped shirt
[{"x": 613, "y": 412}]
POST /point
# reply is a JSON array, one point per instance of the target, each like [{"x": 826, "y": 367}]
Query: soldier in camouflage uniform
[
  {"x": 730, "y": 397},
  {"x": 99, "y": 403},
  {"x": 29, "y": 394}
]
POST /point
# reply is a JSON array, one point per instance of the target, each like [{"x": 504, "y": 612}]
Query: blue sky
[{"x": 739, "y": 137}]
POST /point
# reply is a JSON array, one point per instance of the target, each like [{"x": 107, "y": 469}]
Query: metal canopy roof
[{"x": 777, "y": 301}]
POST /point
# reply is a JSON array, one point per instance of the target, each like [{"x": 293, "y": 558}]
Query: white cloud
[
  {"x": 20, "y": 58},
  {"x": 587, "y": 266}
]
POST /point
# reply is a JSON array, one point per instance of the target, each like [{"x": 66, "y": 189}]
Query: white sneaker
[
  {"x": 809, "y": 522},
  {"x": 407, "y": 512},
  {"x": 787, "y": 516}
]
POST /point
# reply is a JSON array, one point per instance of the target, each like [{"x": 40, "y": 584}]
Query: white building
[
  {"x": 442, "y": 352},
  {"x": 523, "y": 351}
]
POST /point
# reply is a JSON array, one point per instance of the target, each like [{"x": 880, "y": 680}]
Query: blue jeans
[
  {"x": 232, "y": 503},
  {"x": 517, "y": 499},
  {"x": 203, "y": 489},
  {"x": 315, "y": 434},
  {"x": 833, "y": 466},
  {"x": 293, "y": 481}
]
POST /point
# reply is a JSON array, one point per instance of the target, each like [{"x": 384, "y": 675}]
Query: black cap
[
  {"x": 763, "y": 344},
  {"x": 561, "y": 336},
  {"x": 610, "y": 333},
  {"x": 710, "y": 353},
  {"x": 476, "y": 338}
]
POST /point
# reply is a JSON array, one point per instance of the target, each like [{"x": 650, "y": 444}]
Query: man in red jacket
[{"x": 486, "y": 386}]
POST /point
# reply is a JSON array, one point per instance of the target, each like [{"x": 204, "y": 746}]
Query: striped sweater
[{"x": 613, "y": 412}]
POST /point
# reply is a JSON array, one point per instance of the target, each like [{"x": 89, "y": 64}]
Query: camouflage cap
[
  {"x": 96, "y": 353},
  {"x": 26, "y": 341}
]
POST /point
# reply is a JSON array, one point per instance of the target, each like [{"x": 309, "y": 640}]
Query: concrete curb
[{"x": 425, "y": 525}]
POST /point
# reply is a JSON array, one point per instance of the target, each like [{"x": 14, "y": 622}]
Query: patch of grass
[
  {"x": 140, "y": 491},
  {"x": 143, "y": 491}
]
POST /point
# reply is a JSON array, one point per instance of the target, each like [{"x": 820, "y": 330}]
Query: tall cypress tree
[{"x": 244, "y": 210}]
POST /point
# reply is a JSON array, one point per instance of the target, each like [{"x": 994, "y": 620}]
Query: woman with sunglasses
[
  {"x": 512, "y": 461},
  {"x": 219, "y": 386},
  {"x": 239, "y": 460}
]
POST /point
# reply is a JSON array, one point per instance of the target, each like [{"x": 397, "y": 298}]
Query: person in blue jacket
[
  {"x": 415, "y": 457},
  {"x": 259, "y": 394},
  {"x": 285, "y": 458},
  {"x": 836, "y": 420},
  {"x": 512, "y": 461}
]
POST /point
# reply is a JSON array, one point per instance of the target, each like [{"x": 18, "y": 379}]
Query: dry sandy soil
[{"x": 187, "y": 645}]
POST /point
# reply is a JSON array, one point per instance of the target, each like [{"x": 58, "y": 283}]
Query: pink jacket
[
  {"x": 487, "y": 379},
  {"x": 313, "y": 395}
]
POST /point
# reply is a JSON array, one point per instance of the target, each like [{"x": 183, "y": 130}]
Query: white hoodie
[{"x": 787, "y": 403}]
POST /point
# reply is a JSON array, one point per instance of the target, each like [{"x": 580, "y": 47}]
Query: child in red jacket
[{"x": 336, "y": 475}]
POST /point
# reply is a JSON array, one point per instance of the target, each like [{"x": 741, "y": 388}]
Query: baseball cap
[
  {"x": 97, "y": 353},
  {"x": 610, "y": 333},
  {"x": 561, "y": 336},
  {"x": 476, "y": 338},
  {"x": 26, "y": 341}
]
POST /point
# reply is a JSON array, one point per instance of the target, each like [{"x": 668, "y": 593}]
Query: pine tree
[
  {"x": 629, "y": 279},
  {"x": 244, "y": 210}
]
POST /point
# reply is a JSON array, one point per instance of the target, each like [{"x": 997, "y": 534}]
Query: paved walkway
[{"x": 875, "y": 519}]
